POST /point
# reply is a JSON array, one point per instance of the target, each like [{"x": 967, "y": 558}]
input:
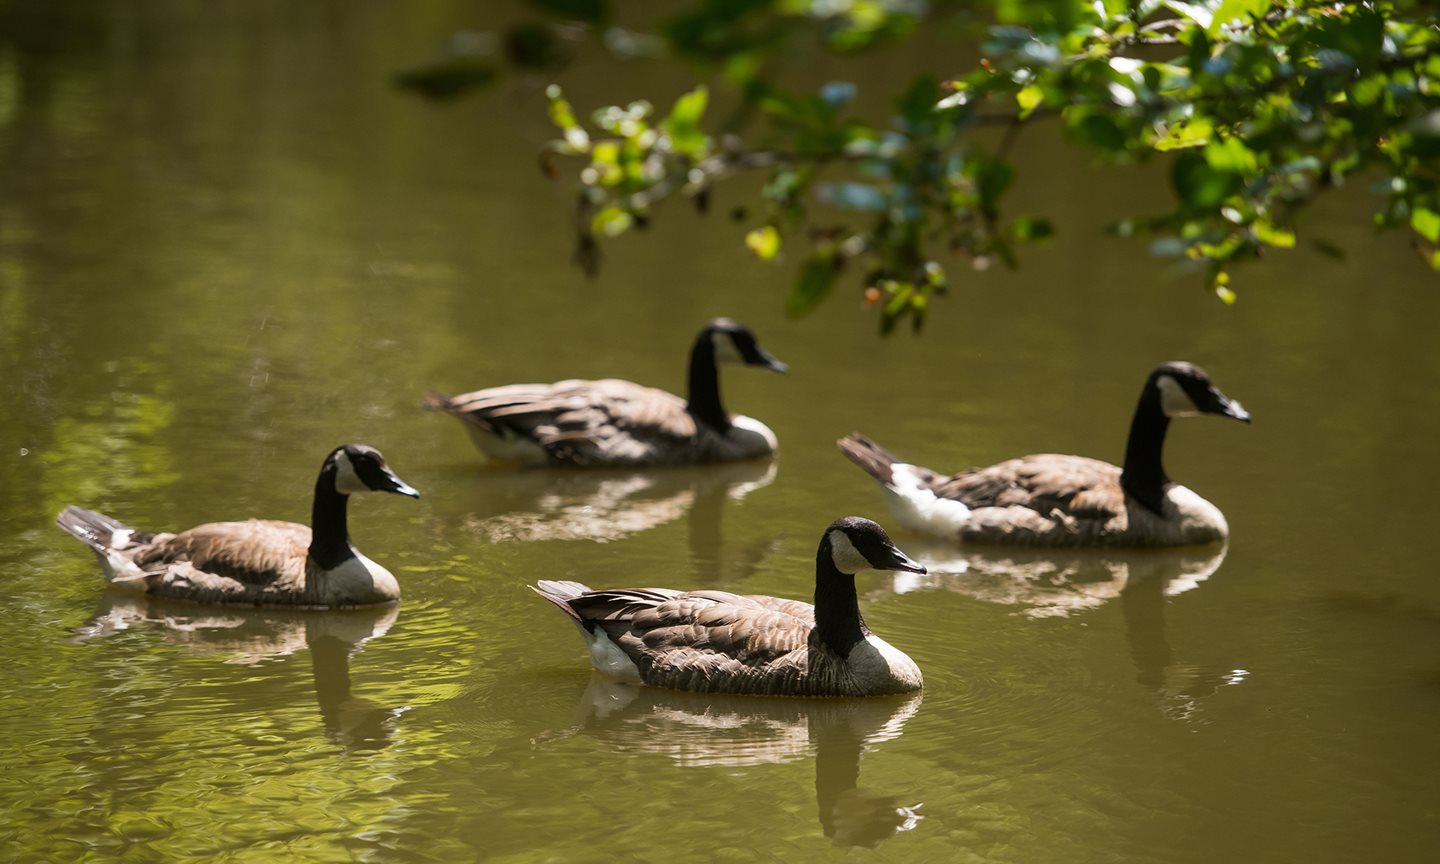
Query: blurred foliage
[{"x": 1257, "y": 106}]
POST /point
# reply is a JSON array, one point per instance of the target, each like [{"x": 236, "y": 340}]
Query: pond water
[{"x": 227, "y": 243}]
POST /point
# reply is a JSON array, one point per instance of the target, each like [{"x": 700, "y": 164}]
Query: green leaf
[
  {"x": 1191, "y": 133},
  {"x": 991, "y": 182},
  {"x": 1230, "y": 10},
  {"x": 1360, "y": 34},
  {"x": 564, "y": 117},
  {"x": 1031, "y": 229},
  {"x": 1029, "y": 98},
  {"x": 1231, "y": 154},
  {"x": 764, "y": 242},
  {"x": 1202, "y": 13},
  {"x": 1273, "y": 235},
  {"x": 612, "y": 222},
  {"x": 683, "y": 124},
  {"x": 813, "y": 285},
  {"x": 1426, "y": 223},
  {"x": 1101, "y": 132},
  {"x": 1200, "y": 186}
]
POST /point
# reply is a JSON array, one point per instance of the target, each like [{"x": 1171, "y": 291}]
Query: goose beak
[
  {"x": 391, "y": 483},
  {"x": 1234, "y": 409},
  {"x": 900, "y": 561},
  {"x": 768, "y": 361}
]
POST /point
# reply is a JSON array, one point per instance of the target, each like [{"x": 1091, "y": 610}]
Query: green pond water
[{"x": 227, "y": 244}]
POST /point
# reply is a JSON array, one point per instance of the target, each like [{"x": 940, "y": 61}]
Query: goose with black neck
[
  {"x": 719, "y": 642},
  {"x": 617, "y": 423},
  {"x": 1052, "y": 499},
  {"x": 256, "y": 562}
]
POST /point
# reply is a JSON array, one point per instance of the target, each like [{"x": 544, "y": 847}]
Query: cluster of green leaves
[{"x": 1258, "y": 105}]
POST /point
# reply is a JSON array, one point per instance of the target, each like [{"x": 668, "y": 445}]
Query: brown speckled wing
[
  {"x": 256, "y": 554},
  {"x": 706, "y": 640},
  {"x": 1074, "y": 485},
  {"x": 582, "y": 422}
]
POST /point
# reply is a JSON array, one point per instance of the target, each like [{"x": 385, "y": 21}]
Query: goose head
[
  {"x": 733, "y": 342},
  {"x": 356, "y": 468},
  {"x": 1186, "y": 391},
  {"x": 858, "y": 544}
]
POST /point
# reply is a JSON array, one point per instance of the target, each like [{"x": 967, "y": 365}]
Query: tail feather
[
  {"x": 560, "y": 593},
  {"x": 871, "y": 457},
  {"x": 97, "y": 530},
  {"x": 437, "y": 401}
]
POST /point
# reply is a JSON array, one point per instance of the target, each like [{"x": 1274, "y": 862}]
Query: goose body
[
  {"x": 256, "y": 562},
  {"x": 1053, "y": 499},
  {"x": 616, "y": 423},
  {"x": 719, "y": 642}
]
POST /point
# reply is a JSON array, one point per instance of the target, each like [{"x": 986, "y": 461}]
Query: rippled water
[{"x": 226, "y": 244}]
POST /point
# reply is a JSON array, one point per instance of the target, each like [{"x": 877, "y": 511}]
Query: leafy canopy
[{"x": 1256, "y": 105}]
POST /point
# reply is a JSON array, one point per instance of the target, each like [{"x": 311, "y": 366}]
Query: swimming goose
[
  {"x": 258, "y": 562},
  {"x": 1056, "y": 500},
  {"x": 611, "y": 422},
  {"x": 718, "y": 642}
]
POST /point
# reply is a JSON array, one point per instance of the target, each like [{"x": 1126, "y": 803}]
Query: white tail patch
[
  {"x": 607, "y": 657},
  {"x": 918, "y": 509}
]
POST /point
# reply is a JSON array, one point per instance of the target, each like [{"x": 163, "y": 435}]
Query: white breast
[
  {"x": 750, "y": 437},
  {"x": 358, "y": 581}
]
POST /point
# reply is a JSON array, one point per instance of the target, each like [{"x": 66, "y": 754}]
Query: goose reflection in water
[
  {"x": 1048, "y": 584},
  {"x": 531, "y": 506},
  {"x": 246, "y": 635},
  {"x": 706, "y": 730}
]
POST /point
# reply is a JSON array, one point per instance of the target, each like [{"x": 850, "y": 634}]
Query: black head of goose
[
  {"x": 613, "y": 423},
  {"x": 718, "y": 642},
  {"x": 1052, "y": 499},
  {"x": 257, "y": 562}
]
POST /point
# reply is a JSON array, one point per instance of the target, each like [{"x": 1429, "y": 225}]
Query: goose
[
  {"x": 1051, "y": 499},
  {"x": 718, "y": 642},
  {"x": 257, "y": 562},
  {"x": 612, "y": 422}
]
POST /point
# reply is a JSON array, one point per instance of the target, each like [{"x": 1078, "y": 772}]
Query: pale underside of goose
[
  {"x": 718, "y": 642},
  {"x": 609, "y": 422}
]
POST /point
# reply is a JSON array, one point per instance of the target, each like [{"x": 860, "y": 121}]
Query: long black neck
[
  {"x": 837, "y": 611},
  {"x": 329, "y": 535},
  {"x": 704, "y": 385},
  {"x": 1144, "y": 476}
]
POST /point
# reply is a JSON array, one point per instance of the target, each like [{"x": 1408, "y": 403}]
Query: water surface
[{"x": 227, "y": 244}]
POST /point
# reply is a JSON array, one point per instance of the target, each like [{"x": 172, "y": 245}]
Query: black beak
[
  {"x": 1231, "y": 408},
  {"x": 390, "y": 483},
  {"x": 900, "y": 561},
  {"x": 767, "y": 360}
]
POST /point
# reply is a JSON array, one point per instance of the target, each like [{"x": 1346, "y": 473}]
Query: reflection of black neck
[
  {"x": 1144, "y": 475},
  {"x": 704, "y": 385},
  {"x": 329, "y": 536},
  {"x": 330, "y": 665},
  {"x": 837, "y": 611},
  {"x": 837, "y": 770},
  {"x": 1143, "y": 605}
]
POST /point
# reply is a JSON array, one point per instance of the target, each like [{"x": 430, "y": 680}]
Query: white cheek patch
[
  {"x": 846, "y": 557},
  {"x": 1174, "y": 401},
  {"x": 347, "y": 482},
  {"x": 725, "y": 350}
]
